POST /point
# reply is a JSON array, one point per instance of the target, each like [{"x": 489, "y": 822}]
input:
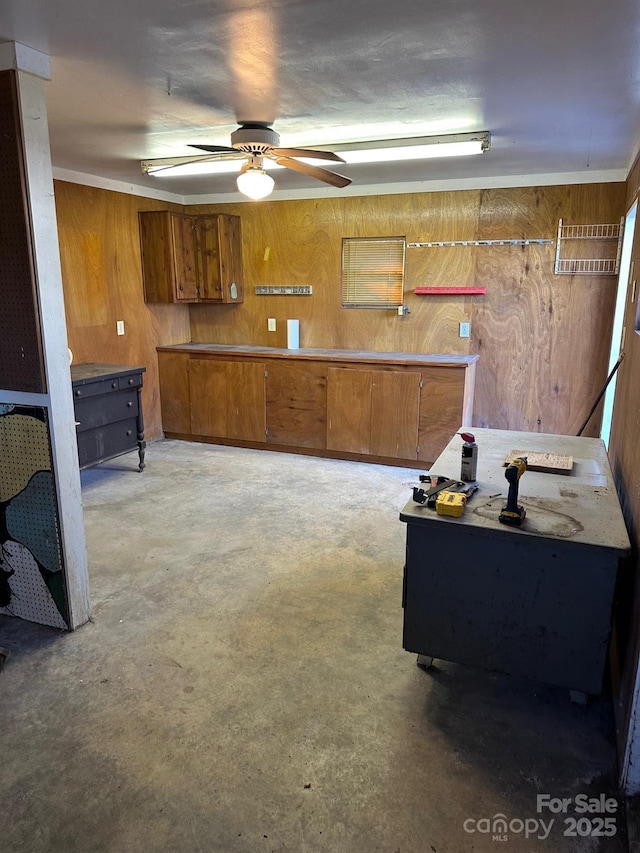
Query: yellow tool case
[{"x": 451, "y": 503}]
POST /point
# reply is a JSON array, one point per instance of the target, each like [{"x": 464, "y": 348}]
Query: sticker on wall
[{"x": 31, "y": 578}]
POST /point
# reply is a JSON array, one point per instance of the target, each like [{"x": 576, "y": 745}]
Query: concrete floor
[{"x": 243, "y": 686}]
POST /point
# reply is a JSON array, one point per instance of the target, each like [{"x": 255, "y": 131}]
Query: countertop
[
  {"x": 439, "y": 359},
  {"x": 582, "y": 506}
]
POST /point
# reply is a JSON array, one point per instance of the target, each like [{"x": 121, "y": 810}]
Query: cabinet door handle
[
  {"x": 128, "y": 432},
  {"x": 129, "y": 404}
]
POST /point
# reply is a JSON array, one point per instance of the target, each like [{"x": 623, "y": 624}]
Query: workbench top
[
  {"x": 344, "y": 355},
  {"x": 581, "y": 507}
]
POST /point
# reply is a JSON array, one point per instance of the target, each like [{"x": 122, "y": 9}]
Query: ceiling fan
[{"x": 258, "y": 140}]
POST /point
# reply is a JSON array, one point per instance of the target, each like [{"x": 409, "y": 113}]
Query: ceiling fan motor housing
[{"x": 254, "y": 139}]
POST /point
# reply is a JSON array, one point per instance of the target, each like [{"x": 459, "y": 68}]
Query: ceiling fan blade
[
  {"x": 307, "y": 152},
  {"x": 314, "y": 172},
  {"x": 216, "y": 149}
]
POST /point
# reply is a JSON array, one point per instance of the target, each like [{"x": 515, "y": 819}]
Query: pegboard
[
  {"x": 21, "y": 359},
  {"x": 31, "y": 577}
]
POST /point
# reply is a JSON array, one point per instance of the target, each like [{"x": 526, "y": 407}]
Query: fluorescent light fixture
[
  {"x": 420, "y": 150},
  {"x": 384, "y": 151}
]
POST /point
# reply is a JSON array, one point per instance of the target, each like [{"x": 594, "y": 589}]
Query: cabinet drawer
[
  {"x": 94, "y": 389},
  {"x": 96, "y": 445},
  {"x": 108, "y": 408},
  {"x": 130, "y": 381}
]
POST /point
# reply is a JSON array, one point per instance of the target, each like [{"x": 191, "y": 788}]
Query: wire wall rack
[
  {"x": 597, "y": 235},
  {"x": 518, "y": 242}
]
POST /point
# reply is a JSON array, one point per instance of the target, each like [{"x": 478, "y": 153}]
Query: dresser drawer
[
  {"x": 104, "y": 442},
  {"x": 108, "y": 408},
  {"x": 94, "y": 389},
  {"x": 134, "y": 381}
]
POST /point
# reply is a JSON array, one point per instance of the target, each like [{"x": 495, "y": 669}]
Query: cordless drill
[{"x": 511, "y": 512}]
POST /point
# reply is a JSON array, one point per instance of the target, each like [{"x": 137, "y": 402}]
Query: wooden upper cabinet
[
  {"x": 169, "y": 256},
  {"x": 191, "y": 258},
  {"x": 220, "y": 258}
]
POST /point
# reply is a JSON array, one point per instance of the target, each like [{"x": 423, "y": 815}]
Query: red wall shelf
[{"x": 450, "y": 291}]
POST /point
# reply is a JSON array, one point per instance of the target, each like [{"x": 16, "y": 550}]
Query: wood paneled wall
[
  {"x": 102, "y": 281},
  {"x": 543, "y": 339}
]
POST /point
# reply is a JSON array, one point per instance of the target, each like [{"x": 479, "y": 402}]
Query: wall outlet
[
  {"x": 271, "y": 324},
  {"x": 120, "y": 327},
  {"x": 465, "y": 330}
]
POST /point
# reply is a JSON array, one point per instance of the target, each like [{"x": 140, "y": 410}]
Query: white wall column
[{"x": 32, "y": 70}]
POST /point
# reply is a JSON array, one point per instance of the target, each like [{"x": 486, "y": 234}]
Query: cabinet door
[
  {"x": 441, "y": 409},
  {"x": 246, "y": 407},
  {"x": 167, "y": 248},
  {"x": 395, "y": 404},
  {"x": 349, "y": 410},
  {"x": 208, "y": 391},
  {"x": 174, "y": 391},
  {"x": 184, "y": 257},
  {"x": 297, "y": 404},
  {"x": 231, "y": 268},
  {"x": 373, "y": 412},
  {"x": 227, "y": 399},
  {"x": 209, "y": 258},
  {"x": 220, "y": 258}
]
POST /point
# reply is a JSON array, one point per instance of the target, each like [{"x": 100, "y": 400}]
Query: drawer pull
[
  {"x": 129, "y": 404},
  {"x": 114, "y": 384},
  {"x": 78, "y": 394},
  {"x": 131, "y": 381}
]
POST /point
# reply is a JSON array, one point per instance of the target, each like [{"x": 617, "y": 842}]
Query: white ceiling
[{"x": 556, "y": 82}]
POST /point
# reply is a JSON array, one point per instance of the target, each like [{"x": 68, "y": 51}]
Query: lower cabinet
[
  {"x": 375, "y": 412},
  {"x": 393, "y": 413},
  {"x": 227, "y": 399},
  {"x": 297, "y": 404}
]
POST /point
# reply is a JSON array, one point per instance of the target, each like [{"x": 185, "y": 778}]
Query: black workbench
[{"x": 534, "y": 601}]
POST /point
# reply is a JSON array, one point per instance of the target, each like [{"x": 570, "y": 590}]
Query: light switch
[
  {"x": 120, "y": 327},
  {"x": 271, "y": 324}
]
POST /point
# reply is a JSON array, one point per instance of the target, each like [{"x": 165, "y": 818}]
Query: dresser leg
[{"x": 140, "y": 435}]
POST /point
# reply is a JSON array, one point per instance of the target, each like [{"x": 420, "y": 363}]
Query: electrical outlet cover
[{"x": 465, "y": 330}]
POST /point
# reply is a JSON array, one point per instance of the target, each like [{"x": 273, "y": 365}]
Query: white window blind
[{"x": 372, "y": 272}]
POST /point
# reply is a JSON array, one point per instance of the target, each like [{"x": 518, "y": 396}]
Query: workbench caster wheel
[{"x": 424, "y": 662}]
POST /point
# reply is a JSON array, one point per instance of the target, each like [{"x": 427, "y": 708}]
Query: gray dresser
[{"x": 108, "y": 411}]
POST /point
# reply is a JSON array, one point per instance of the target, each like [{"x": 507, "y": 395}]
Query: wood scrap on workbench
[{"x": 550, "y": 463}]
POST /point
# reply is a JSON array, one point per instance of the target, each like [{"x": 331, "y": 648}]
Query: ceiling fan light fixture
[{"x": 253, "y": 181}]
